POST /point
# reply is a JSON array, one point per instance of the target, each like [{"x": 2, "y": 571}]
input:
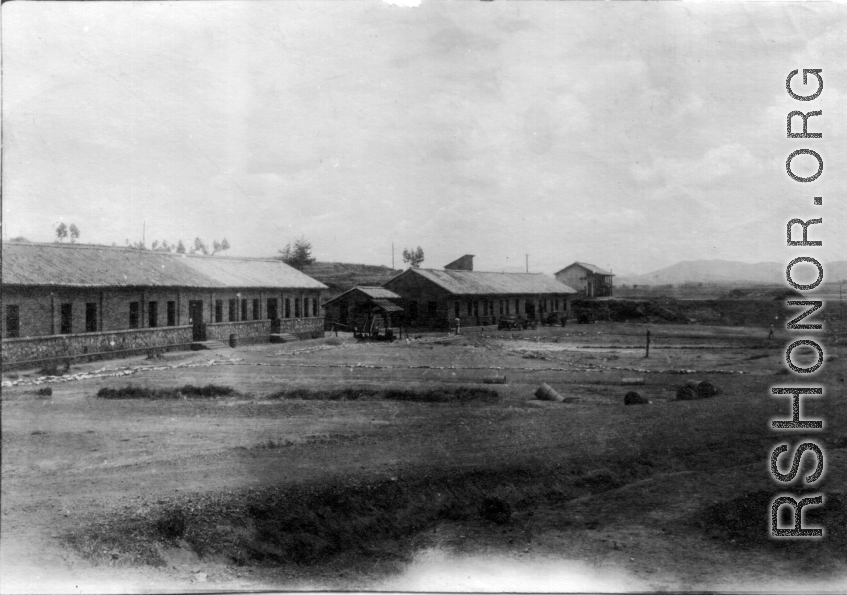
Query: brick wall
[
  {"x": 116, "y": 343},
  {"x": 40, "y": 309},
  {"x": 417, "y": 294}
]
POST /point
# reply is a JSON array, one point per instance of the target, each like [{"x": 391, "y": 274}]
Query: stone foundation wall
[
  {"x": 301, "y": 325},
  {"x": 115, "y": 343},
  {"x": 257, "y": 331}
]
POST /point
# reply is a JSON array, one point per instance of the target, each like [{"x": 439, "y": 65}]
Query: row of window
[
  {"x": 302, "y": 309},
  {"x": 487, "y": 309},
  {"x": 307, "y": 305},
  {"x": 135, "y": 314}
]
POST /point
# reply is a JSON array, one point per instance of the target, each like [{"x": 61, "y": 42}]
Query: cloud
[{"x": 603, "y": 130}]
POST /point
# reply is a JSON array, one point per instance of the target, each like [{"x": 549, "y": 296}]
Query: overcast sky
[{"x": 629, "y": 135}]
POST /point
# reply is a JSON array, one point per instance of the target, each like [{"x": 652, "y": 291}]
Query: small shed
[{"x": 363, "y": 308}]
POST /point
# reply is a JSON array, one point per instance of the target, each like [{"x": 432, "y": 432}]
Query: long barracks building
[
  {"x": 66, "y": 301},
  {"x": 436, "y": 298}
]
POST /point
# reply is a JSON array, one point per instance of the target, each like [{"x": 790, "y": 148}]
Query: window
[
  {"x": 219, "y": 310},
  {"x": 134, "y": 314},
  {"x": 66, "y": 311},
  {"x": 243, "y": 309},
  {"x": 315, "y": 307},
  {"x": 432, "y": 309},
  {"x": 456, "y": 307},
  {"x": 13, "y": 322},
  {"x": 91, "y": 317},
  {"x": 476, "y": 308},
  {"x": 233, "y": 310},
  {"x": 288, "y": 307},
  {"x": 171, "y": 313},
  {"x": 297, "y": 307},
  {"x": 305, "y": 307},
  {"x": 256, "y": 313},
  {"x": 272, "y": 313},
  {"x": 152, "y": 314}
]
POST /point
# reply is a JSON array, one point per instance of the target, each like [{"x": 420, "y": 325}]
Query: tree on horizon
[
  {"x": 61, "y": 231},
  {"x": 298, "y": 255},
  {"x": 413, "y": 257}
]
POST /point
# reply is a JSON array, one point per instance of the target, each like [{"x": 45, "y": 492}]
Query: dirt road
[{"x": 73, "y": 462}]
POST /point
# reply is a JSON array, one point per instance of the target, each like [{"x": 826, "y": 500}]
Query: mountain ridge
[{"x": 733, "y": 272}]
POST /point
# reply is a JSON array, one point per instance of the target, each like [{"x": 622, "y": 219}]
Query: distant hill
[
  {"x": 726, "y": 272},
  {"x": 341, "y": 276}
]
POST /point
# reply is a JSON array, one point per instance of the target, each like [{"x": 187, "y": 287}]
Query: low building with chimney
[{"x": 435, "y": 298}]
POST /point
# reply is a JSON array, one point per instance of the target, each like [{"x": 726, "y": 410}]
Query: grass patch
[
  {"x": 308, "y": 524},
  {"x": 189, "y": 391},
  {"x": 433, "y": 395},
  {"x": 744, "y": 521}
]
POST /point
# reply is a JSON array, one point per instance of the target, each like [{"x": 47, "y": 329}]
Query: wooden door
[{"x": 195, "y": 319}]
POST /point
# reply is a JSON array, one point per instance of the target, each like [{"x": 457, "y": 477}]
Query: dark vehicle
[
  {"x": 508, "y": 323},
  {"x": 511, "y": 323},
  {"x": 554, "y": 319},
  {"x": 585, "y": 316}
]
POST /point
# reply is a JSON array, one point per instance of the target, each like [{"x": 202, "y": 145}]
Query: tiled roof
[
  {"x": 102, "y": 266},
  {"x": 387, "y": 306},
  {"x": 590, "y": 267},
  {"x": 375, "y": 293},
  {"x": 378, "y": 292},
  {"x": 483, "y": 283}
]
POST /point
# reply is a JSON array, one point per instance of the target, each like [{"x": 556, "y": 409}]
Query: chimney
[{"x": 465, "y": 263}]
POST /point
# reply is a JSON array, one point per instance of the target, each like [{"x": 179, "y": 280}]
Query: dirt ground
[{"x": 628, "y": 490}]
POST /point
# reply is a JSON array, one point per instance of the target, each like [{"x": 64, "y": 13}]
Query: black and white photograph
[{"x": 423, "y": 296}]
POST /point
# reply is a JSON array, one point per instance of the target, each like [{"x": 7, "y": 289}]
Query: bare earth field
[{"x": 384, "y": 489}]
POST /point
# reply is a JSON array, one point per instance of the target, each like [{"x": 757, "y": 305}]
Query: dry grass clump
[
  {"x": 432, "y": 395},
  {"x": 189, "y": 391},
  {"x": 634, "y": 398}
]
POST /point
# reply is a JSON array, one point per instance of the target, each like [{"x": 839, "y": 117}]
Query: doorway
[{"x": 195, "y": 318}]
